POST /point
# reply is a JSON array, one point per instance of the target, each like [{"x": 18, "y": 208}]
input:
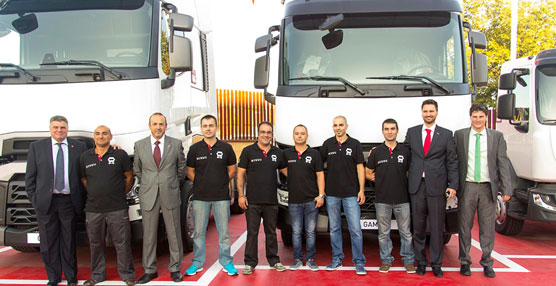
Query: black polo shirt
[
  {"x": 105, "y": 180},
  {"x": 342, "y": 160},
  {"x": 262, "y": 179},
  {"x": 302, "y": 177},
  {"x": 390, "y": 173},
  {"x": 211, "y": 170}
]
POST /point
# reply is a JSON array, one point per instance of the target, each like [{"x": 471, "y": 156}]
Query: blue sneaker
[
  {"x": 230, "y": 269},
  {"x": 360, "y": 269},
  {"x": 192, "y": 270},
  {"x": 335, "y": 265},
  {"x": 296, "y": 264}
]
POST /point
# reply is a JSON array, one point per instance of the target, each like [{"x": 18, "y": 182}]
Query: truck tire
[
  {"x": 186, "y": 215},
  {"x": 234, "y": 206},
  {"x": 26, "y": 248},
  {"x": 286, "y": 237},
  {"x": 506, "y": 224}
]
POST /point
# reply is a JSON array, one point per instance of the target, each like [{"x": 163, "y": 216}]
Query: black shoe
[
  {"x": 437, "y": 271},
  {"x": 465, "y": 270},
  {"x": 176, "y": 276},
  {"x": 51, "y": 283},
  {"x": 421, "y": 269},
  {"x": 489, "y": 272},
  {"x": 147, "y": 277}
]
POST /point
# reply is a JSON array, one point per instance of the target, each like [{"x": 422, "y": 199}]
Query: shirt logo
[
  {"x": 219, "y": 154},
  {"x": 381, "y": 162},
  {"x": 256, "y": 160},
  {"x": 111, "y": 160},
  {"x": 201, "y": 158},
  {"x": 308, "y": 159},
  {"x": 332, "y": 153},
  {"x": 90, "y": 165},
  {"x": 400, "y": 159},
  {"x": 274, "y": 158},
  {"x": 348, "y": 151}
]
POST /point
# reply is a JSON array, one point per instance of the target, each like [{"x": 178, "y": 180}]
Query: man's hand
[
  {"x": 506, "y": 198},
  {"x": 361, "y": 197},
  {"x": 320, "y": 202},
  {"x": 116, "y": 146},
  {"x": 242, "y": 201},
  {"x": 450, "y": 192}
]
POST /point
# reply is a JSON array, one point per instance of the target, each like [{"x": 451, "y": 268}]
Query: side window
[
  {"x": 165, "y": 42},
  {"x": 205, "y": 60},
  {"x": 522, "y": 98},
  {"x": 197, "y": 73}
]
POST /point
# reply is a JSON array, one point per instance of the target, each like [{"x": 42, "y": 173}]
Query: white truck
[
  {"x": 97, "y": 62},
  {"x": 368, "y": 60},
  {"x": 527, "y": 107}
]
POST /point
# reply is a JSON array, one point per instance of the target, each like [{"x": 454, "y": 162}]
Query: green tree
[{"x": 536, "y": 31}]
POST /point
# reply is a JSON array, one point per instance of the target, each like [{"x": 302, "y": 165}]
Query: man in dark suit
[
  {"x": 484, "y": 171},
  {"x": 433, "y": 176},
  {"x": 159, "y": 164},
  {"x": 55, "y": 191}
]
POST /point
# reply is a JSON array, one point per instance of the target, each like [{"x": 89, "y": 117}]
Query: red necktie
[
  {"x": 156, "y": 154},
  {"x": 427, "y": 141},
  {"x": 390, "y": 149}
]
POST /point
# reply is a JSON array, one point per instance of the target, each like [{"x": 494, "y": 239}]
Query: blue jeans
[
  {"x": 201, "y": 214},
  {"x": 384, "y": 220},
  {"x": 353, "y": 215},
  {"x": 300, "y": 214}
]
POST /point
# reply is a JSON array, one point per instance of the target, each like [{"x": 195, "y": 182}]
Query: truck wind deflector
[
  {"x": 114, "y": 73},
  {"x": 422, "y": 79}
]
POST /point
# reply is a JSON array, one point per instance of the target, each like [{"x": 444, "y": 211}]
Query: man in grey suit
[
  {"x": 433, "y": 176},
  {"x": 159, "y": 164},
  {"x": 484, "y": 171}
]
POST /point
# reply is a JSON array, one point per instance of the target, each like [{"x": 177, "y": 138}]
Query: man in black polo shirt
[
  {"x": 211, "y": 164},
  {"x": 345, "y": 186},
  {"x": 306, "y": 195},
  {"x": 107, "y": 175},
  {"x": 260, "y": 162},
  {"x": 387, "y": 165}
]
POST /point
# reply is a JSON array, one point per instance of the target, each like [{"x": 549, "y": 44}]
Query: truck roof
[{"x": 308, "y": 7}]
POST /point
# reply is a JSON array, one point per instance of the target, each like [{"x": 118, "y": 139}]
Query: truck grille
[
  {"x": 19, "y": 211},
  {"x": 369, "y": 205}
]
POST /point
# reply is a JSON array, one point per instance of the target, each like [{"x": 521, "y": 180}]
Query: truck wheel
[
  {"x": 26, "y": 248},
  {"x": 234, "y": 206},
  {"x": 446, "y": 238},
  {"x": 286, "y": 237},
  {"x": 506, "y": 224},
  {"x": 186, "y": 214}
]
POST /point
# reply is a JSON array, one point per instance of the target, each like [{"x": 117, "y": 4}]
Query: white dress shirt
[
  {"x": 160, "y": 145},
  {"x": 485, "y": 177},
  {"x": 65, "y": 149},
  {"x": 424, "y": 132}
]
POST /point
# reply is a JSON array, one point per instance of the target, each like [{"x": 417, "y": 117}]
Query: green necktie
[{"x": 478, "y": 158}]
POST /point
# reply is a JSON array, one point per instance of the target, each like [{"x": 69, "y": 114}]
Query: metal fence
[{"x": 240, "y": 112}]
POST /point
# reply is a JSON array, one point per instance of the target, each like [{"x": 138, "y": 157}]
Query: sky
[{"x": 236, "y": 25}]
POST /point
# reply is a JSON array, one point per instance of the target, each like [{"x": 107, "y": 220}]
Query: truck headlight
[
  {"x": 544, "y": 201},
  {"x": 283, "y": 197}
]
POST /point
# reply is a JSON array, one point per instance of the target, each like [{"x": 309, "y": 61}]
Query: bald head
[
  {"x": 102, "y": 136},
  {"x": 339, "y": 125}
]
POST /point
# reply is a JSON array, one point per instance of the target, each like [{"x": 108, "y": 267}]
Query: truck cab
[
  {"x": 368, "y": 61},
  {"x": 97, "y": 62},
  {"x": 527, "y": 109}
]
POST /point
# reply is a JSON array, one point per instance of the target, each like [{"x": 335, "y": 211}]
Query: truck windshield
[
  {"x": 114, "y": 37},
  {"x": 546, "y": 93},
  {"x": 375, "y": 45}
]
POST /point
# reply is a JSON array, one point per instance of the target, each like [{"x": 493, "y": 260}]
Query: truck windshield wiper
[
  {"x": 22, "y": 70},
  {"x": 86, "y": 63},
  {"x": 328, "y": 78},
  {"x": 422, "y": 79}
]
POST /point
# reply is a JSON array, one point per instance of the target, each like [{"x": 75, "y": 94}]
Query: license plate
[
  {"x": 372, "y": 224},
  {"x": 33, "y": 238}
]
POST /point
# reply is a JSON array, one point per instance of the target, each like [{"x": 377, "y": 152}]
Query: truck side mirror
[
  {"x": 480, "y": 69},
  {"x": 180, "y": 54},
  {"x": 181, "y": 22},
  {"x": 261, "y": 72},
  {"x": 506, "y": 106},
  {"x": 262, "y": 42},
  {"x": 477, "y": 39},
  {"x": 507, "y": 81}
]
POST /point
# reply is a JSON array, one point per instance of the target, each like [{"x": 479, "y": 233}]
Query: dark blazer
[
  {"x": 39, "y": 176},
  {"x": 440, "y": 164},
  {"x": 498, "y": 161}
]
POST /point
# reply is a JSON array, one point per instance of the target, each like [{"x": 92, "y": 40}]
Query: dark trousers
[
  {"x": 117, "y": 224},
  {"x": 57, "y": 239},
  {"x": 253, "y": 215},
  {"x": 476, "y": 198},
  {"x": 433, "y": 207}
]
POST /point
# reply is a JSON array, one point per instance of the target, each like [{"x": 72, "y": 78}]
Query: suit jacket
[
  {"x": 163, "y": 181},
  {"x": 440, "y": 164},
  {"x": 39, "y": 175},
  {"x": 498, "y": 161}
]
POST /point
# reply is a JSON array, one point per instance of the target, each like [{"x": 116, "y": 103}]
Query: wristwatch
[{"x": 322, "y": 195}]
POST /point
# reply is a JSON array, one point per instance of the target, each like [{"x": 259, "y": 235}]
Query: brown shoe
[
  {"x": 384, "y": 268},
  {"x": 91, "y": 282},
  {"x": 410, "y": 268}
]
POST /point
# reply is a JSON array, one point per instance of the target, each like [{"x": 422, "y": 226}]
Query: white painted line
[
  {"x": 532, "y": 256},
  {"x": 5, "y": 249},
  {"x": 514, "y": 267}
]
